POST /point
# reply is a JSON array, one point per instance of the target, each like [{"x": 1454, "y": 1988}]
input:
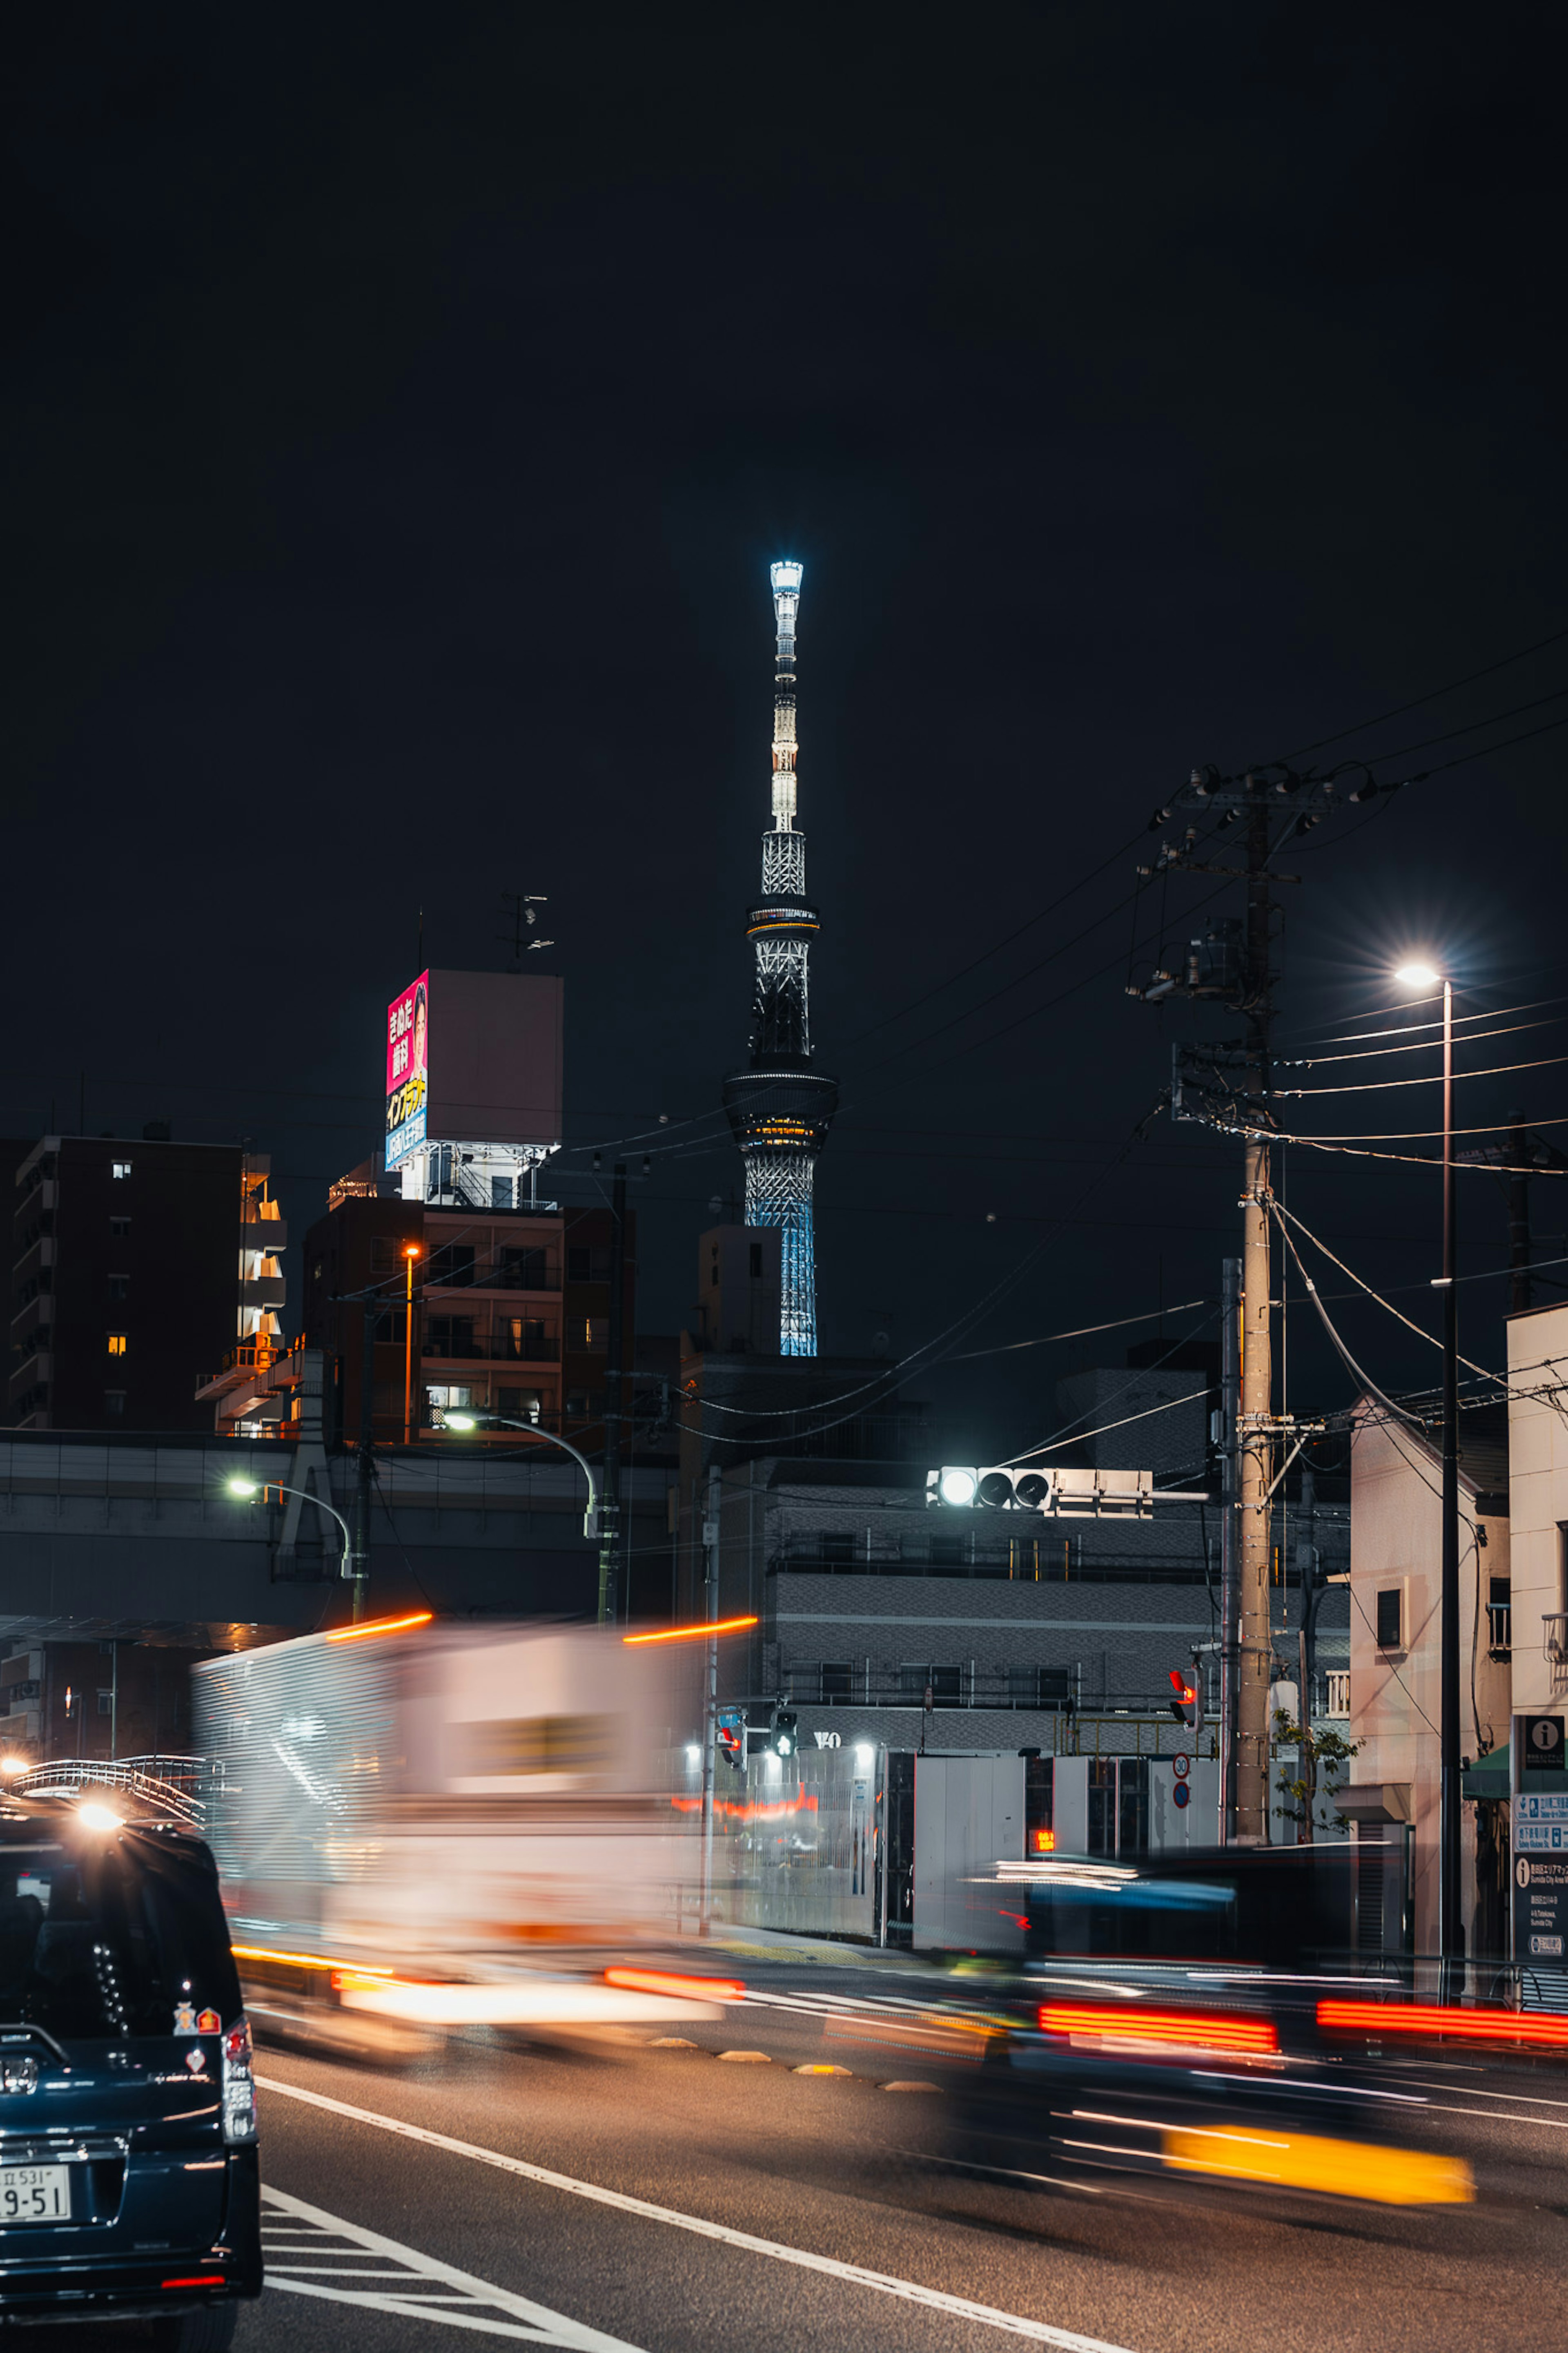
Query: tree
[{"x": 1322, "y": 1757}]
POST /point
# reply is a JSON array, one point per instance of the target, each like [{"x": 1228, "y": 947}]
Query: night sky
[{"x": 403, "y": 407}]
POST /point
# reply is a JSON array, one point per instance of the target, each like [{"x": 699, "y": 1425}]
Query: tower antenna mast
[{"x": 780, "y": 1108}]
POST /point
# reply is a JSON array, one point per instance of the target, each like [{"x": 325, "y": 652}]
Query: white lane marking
[
  {"x": 477, "y": 2304},
  {"x": 1014, "y": 2324}
]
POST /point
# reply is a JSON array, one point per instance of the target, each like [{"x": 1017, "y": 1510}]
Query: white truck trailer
[{"x": 422, "y": 1827}]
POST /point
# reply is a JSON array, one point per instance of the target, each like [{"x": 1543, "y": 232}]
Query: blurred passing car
[
  {"x": 1168, "y": 2032},
  {"x": 129, "y": 2181}
]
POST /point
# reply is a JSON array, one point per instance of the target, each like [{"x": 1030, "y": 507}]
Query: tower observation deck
[{"x": 780, "y": 1107}]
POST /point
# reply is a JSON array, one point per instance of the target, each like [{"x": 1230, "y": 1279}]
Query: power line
[{"x": 1435, "y": 695}]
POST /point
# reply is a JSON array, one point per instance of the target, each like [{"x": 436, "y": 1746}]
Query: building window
[
  {"x": 1499, "y": 1614},
  {"x": 578, "y": 1262},
  {"x": 453, "y": 1263},
  {"x": 589, "y": 1333},
  {"x": 525, "y": 1339},
  {"x": 450, "y": 1335},
  {"x": 120, "y": 1226},
  {"x": 461, "y": 1393},
  {"x": 114, "y": 1401},
  {"x": 1390, "y": 1614},
  {"x": 838, "y": 1549},
  {"x": 1023, "y": 1686},
  {"x": 523, "y": 1268},
  {"x": 835, "y": 1684},
  {"x": 945, "y": 1685},
  {"x": 120, "y": 1168},
  {"x": 118, "y": 1284},
  {"x": 948, "y": 1552},
  {"x": 116, "y": 1344},
  {"x": 106, "y": 1702},
  {"x": 519, "y": 1405}
]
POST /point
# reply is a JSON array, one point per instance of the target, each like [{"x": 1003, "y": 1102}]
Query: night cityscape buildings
[{"x": 780, "y": 1107}]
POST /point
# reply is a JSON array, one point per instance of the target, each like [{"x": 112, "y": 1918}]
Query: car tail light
[
  {"x": 1130, "y": 2025},
  {"x": 239, "y": 2084},
  {"x": 1481, "y": 2025}
]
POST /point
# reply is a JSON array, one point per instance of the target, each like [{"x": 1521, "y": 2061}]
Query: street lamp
[
  {"x": 466, "y": 1422},
  {"x": 247, "y": 1491},
  {"x": 410, "y": 1252},
  {"x": 1451, "y": 1934}
]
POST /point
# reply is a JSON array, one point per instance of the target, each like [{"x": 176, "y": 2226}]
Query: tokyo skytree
[{"x": 780, "y": 1108}]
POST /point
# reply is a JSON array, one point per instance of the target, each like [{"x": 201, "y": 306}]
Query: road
[{"x": 667, "y": 2199}]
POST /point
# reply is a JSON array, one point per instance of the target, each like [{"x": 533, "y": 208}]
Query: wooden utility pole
[
  {"x": 1227, "y": 1086},
  {"x": 1254, "y": 1642}
]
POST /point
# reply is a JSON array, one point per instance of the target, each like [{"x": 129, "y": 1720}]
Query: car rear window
[{"x": 112, "y": 1936}]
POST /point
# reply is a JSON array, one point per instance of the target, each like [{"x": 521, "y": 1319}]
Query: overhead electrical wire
[
  {"x": 1437, "y": 694},
  {"x": 1421, "y": 1045},
  {"x": 1081, "y": 1331},
  {"x": 1428, "y": 1079}
]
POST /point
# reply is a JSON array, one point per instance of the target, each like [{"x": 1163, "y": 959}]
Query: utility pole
[
  {"x": 1450, "y": 1899},
  {"x": 1229, "y": 1537},
  {"x": 1311, "y": 1590},
  {"x": 614, "y": 1351},
  {"x": 711, "y": 1706},
  {"x": 1228, "y": 1086},
  {"x": 364, "y": 1467},
  {"x": 1256, "y": 1644}
]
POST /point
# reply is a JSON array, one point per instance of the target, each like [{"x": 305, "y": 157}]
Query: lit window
[
  {"x": 120, "y": 1168},
  {"x": 116, "y": 1344}
]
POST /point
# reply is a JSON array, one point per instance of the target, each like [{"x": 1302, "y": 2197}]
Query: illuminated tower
[{"x": 779, "y": 1107}]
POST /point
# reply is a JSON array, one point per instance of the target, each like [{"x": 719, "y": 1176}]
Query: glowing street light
[
  {"x": 248, "y": 1490},
  {"x": 466, "y": 1421},
  {"x": 1425, "y": 978},
  {"x": 411, "y": 1250}
]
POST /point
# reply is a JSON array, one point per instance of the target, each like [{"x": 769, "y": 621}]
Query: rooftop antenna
[{"x": 518, "y": 917}]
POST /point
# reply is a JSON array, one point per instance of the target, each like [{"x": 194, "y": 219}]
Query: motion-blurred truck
[{"x": 425, "y": 1827}]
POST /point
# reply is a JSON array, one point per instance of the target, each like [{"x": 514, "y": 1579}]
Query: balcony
[{"x": 1555, "y": 1644}]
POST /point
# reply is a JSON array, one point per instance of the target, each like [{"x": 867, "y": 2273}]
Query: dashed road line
[
  {"x": 311, "y": 2252},
  {"x": 962, "y": 2308}
]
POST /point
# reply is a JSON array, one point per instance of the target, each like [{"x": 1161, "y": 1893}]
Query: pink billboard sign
[{"x": 408, "y": 1069}]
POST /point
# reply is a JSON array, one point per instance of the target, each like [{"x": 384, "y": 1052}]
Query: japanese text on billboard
[{"x": 407, "y": 1069}]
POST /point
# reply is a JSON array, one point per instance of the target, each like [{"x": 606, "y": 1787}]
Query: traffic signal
[
  {"x": 781, "y": 1734},
  {"x": 732, "y": 1728},
  {"x": 1187, "y": 1705}
]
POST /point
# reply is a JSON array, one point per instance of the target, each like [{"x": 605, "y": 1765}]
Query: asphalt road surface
[{"x": 669, "y": 2198}]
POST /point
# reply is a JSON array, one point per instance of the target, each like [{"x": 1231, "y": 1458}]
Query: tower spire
[{"x": 780, "y": 1108}]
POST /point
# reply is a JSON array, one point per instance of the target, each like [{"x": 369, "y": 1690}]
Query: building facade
[
  {"x": 510, "y": 1314},
  {"x": 138, "y": 1269}
]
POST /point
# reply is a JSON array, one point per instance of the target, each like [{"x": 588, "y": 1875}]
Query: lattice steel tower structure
[{"x": 780, "y": 1108}]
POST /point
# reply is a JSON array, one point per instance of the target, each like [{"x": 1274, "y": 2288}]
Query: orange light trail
[
  {"x": 688, "y": 1988},
  {"x": 304, "y": 1960},
  {"x": 691, "y": 1633},
  {"x": 380, "y": 1626},
  {"x": 1192, "y": 2029},
  {"x": 1434, "y": 2018}
]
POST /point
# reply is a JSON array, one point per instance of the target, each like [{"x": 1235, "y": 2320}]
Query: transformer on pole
[{"x": 780, "y": 1108}]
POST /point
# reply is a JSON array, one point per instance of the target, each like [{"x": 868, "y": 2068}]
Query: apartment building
[{"x": 137, "y": 1268}]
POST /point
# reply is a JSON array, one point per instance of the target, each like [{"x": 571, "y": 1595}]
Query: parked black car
[{"x": 129, "y": 2181}]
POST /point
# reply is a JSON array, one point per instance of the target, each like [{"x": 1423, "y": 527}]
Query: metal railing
[{"x": 174, "y": 1787}]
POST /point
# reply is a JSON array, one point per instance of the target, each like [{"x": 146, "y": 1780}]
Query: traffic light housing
[
  {"x": 781, "y": 1732},
  {"x": 1187, "y": 1702},
  {"x": 732, "y": 1732}
]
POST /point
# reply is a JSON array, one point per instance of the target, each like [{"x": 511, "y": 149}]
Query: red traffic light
[{"x": 1186, "y": 1691}]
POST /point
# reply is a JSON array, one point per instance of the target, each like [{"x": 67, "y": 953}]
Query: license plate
[{"x": 34, "y": 2193}]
